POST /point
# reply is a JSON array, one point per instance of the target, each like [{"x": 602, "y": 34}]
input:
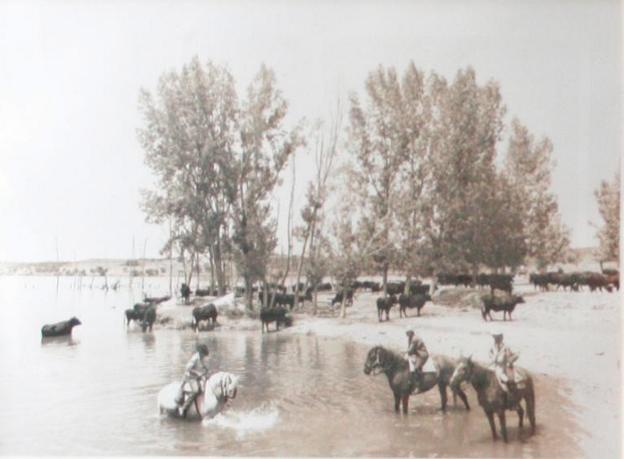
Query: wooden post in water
[
  {"x": 143, "y": 275},
  {"x": 170, "y": 260}
]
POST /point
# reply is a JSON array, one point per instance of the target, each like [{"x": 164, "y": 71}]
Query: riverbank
[{"x": 572, "y": 336}]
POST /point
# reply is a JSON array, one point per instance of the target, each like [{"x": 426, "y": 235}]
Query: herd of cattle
[
  {"x": 415, "y": 297},
  {"x": 607, "y": 280}
]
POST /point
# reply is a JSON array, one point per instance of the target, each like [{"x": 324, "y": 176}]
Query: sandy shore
[{"x": 572, "y": 336}]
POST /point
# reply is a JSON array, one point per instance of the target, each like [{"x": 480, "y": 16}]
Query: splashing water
[{"x": 257, "y": 420}]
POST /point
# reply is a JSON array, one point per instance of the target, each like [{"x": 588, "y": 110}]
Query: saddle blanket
[
  {"x": 517, "y": 375},
  {"x": 429, "y": 366}
]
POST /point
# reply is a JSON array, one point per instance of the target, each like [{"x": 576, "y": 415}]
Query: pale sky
[{"x": 70, "y": 73}]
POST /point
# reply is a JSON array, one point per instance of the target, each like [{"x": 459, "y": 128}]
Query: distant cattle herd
[
  {"x": 607, "y": 280},
  {"x": 396, "y": 292}
]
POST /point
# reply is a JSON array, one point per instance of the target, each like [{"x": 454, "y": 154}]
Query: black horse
[
  {"x": 396, "y": 368},
  {"x": 491, "y": 396}
]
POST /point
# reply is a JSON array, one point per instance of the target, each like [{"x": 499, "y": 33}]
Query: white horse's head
[{"x": 228, "y": 385}]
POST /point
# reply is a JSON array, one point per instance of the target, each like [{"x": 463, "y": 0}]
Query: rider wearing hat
[
  {"x": 417, "y": 354},
  {"x": 502, "y": 359},
  {"x": 196, "y": 369}
]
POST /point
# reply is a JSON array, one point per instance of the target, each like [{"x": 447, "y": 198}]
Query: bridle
[
  {"x": 377, "y": 367},
  {"x": 467, "y": 373},
  {"x": 226, "y": 382}
]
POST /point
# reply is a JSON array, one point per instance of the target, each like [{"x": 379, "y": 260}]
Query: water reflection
[{"x": 308, "y": 393}]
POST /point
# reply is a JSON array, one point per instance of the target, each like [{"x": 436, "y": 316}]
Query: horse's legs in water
[
  {"x": 503, "y": 424},
  {"x": 397, "y": 400},
  {"x": 530, "y": 406},
  {"x": 405, "y": 403},
  {"x": 463, "y": 397},
  {"x": 520, "y": 412},
  {"x": 443, "y": 397},
  {"x": 490, "y": 416}
]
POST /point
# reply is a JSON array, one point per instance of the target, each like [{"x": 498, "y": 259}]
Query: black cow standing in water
[
  {"x": 136, "y": 313},
  {"x": 60, "y": 328},
  {"x": 276, "y": 314},
  {"x": 200, "y": 313},
  {"x": 149, "y": 317}
]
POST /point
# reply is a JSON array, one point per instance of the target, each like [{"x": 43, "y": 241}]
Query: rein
[{"x": 390, "y": 362}]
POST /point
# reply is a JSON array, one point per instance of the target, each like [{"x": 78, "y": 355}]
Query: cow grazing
[
  {"x": 324, "y": 287},
  {"x": 268, "y": 315},
  {"x": 136, "y": 313},
  {"x": 156, "y": 300},
  {"x": 494, "y": 303},
  {"x": 540, "y": 281},
  {"x": 339, "y": 296},
  {"x": 185, "y": 293},
  {"x": 384, "y": 305},
  {"x": 565, "y": 280},
  {"x": 419, "y": 289},
  {"x": 454, "y": 279},
  {"x": 502, "y": 282},
  {"x": 207, "y": 312},
  {"x": 370, "y": 285},
  {"x": 613, "y": 278},
  {"x": 285, "y": 299},
  {"x": 149, "y": 317},
  {"x": 412, "y": 301},
  {"x": 60, "y": 328},
  {"x": 395, "y": 288}
]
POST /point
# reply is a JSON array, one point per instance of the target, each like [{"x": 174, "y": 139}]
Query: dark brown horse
[
  {"x": 396, "y": 368},
  {"x": 491, "y": 396}
]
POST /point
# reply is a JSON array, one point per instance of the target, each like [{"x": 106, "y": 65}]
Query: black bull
[{"x": 396, "y": 368}]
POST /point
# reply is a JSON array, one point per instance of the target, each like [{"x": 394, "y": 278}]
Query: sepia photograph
[{"x": 311, "y": 228}]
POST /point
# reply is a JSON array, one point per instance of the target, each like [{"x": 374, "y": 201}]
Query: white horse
[{"x": 218, "y": 389}]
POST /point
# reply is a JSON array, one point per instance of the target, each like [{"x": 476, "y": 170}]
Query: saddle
[
  {"x": 515, "y": 375},
  {"x": 429, "y": 367},
  {"x": 187, "y": 390}
]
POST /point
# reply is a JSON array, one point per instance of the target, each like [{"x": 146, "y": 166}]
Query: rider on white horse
[
  {"x": 417, "y": 354},
  {"x": 502, "y": 361},
  {"x": 196, "y": 369}
]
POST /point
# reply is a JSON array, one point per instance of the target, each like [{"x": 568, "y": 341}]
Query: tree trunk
[
  {"x": 197, "y": 270},
  {"x": 315, "y": 301},
  {"x": 385, "y": 280},
  {"x": 343, "y": 305},
  {"x": 300, "y": 267},
  {"x": 408, "y": 284},
  {"x": 212, "y": 272},
  {"x": 248, "y": 293},
  {"x": 475, "y": 273}
]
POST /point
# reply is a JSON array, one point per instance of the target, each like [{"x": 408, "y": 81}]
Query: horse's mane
[{"x": 396, "y": 358}]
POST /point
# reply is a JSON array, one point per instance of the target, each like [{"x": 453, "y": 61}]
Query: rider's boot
[
  {"x": 512, "y": 393},
  {"x": 182, "y": 409},
  {"x": 415, "y": 377}
]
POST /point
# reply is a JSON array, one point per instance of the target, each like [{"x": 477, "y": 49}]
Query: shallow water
[{"x": 301, "y": 395}]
